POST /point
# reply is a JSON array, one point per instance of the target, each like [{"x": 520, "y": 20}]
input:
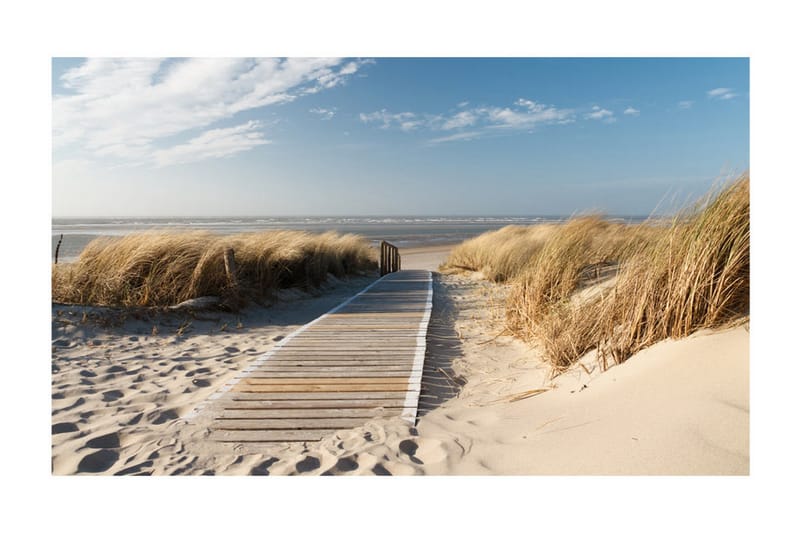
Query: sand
[{"x": 121, "y": 392}]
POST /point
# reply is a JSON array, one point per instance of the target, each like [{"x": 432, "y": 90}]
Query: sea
[{"x": 403, "y": 232}]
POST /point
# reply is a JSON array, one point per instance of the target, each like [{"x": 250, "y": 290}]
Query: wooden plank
[
  {"x": 335, "y": 412},
  {"x": 322, "y": 350},
  {"x": 290, "y": 423},
  {"x": 327, "y": 365},
  {"x": 357, "y": 341},
  {"x": 340, "y": 403},
  {"x": 360, "y": 361},
  {"x": 310, "y": 387},
  {"x": 404, "y": 374},
  {"x": 327, "y": 396},
  {"x": 405, "y": 325},
  {"x": 381, "y": 357},
  {"x": 307, "y": 435},
  {"x": 320, "y": 381}
]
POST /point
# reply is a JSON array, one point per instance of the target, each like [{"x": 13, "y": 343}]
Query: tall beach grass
[
  {"x": 160, "y": 268},
  {"x": 661, "y": 280}
]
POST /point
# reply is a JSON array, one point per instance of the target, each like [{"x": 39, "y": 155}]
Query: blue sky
[{"x": 360, "y": 136}]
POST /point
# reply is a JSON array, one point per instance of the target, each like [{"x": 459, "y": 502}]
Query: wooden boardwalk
[{"x": 359, "y": 361}]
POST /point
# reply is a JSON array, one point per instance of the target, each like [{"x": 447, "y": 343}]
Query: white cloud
[
  {"x": 721, "y": 93},
  {"x": 631, "y": 111},
  {"x": 127, "y": 108},
  {"x": 460, "y": 120},
  {"x": 531, "y": 114},
  {"x": 463, "y": 136},
  {"x": 685, "y": 104},
  {"x": 213, "y": 144},
  {"x": 325, "y": 114},
  {"x": 526, "y": 115},
  {"x": 406, "y": 120},
  {"x": 599, "y": 113}
]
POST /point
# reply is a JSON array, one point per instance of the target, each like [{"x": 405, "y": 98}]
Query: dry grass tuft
[
  {"x": 159, "y": 268},
  {"x": 696, "y": 276},
  {"x": 500, "y": 255},
  {"x": 671, "y": 280}
]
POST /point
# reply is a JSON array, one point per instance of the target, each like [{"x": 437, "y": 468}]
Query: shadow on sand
[{"x": 439, "y": 381}]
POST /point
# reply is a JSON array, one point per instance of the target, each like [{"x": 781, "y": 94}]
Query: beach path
[{"x": 361, "y": 360}]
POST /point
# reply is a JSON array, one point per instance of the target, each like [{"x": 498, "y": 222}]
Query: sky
[{"x": 393, "y": 136}]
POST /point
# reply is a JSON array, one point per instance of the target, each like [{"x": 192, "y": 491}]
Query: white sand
[
  {"x": 425, "y": 258},
  {"x": 680, "y": 407}
]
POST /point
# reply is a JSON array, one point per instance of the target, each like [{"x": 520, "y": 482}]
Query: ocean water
[{"x": 403, "y": 232}]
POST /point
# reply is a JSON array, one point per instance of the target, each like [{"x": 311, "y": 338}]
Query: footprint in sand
[
  {"x": 380, "y": 470},
  {"x": 110, "y": 440},
  {"x": 88, "y": 374},
  {"x": 112, "y": 395},
  {"x": 135, "y": 469},
  {"x": 99, "y": 461},
  {"x": 346, "y": 464},
  {"x": 263, "y": 468},
  {"x": 64, "y": 427},
  {"x": 425, "y": 451},
  {"x": 307, "y": 465},
  {"x": 201, "y": 383},
  {"x": 409, "y": 447},
  {"x": 115, "y": 369},
  {"x": 232, "y": 349},
  {"x": 80, "y": 401},
  {"x": 135, "y": 420},
  {"x": 159, "y": 417}
]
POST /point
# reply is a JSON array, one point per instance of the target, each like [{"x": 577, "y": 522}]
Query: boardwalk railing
[{"x": 390, "y": 258}]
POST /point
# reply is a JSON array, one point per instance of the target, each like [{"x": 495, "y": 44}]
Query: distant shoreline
[{"x": 404, "y": 232}]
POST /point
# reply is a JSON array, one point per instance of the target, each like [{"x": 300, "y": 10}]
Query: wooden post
[
  {"x": 384, "y": 249},
  {"x": 59, "y": 246},
  {"x": 230, "y": 267},
  {"x": 390, "y": 258}
]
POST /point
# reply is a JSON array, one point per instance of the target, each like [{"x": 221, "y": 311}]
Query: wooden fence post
[
  {"x": 390, "y": 258},
  {"x": 230, "y": 267},
  {"x": 59, "y": 246}
]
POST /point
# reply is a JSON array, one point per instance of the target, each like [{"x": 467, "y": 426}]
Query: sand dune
[{"x": 120, "y": 393}]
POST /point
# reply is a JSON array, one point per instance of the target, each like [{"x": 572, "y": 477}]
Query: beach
[{"x": 123, "y": 383}]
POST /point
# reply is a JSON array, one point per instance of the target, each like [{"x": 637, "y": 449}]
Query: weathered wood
[
  {"x": 325, "y": 396},
  {"x": 61, "y": 238},
  {"x": 389, "y": 258},
  {"x": 230, "y": 267},
  {"x": 331, "y": 412},
  {"x": 330, "y": 370},
  {"x": 346, "y": 372},
  {"x": 322, "y": 381},
  {"x": 362, "y": 361},
  {"x": 291, "y": 423},
  {"x": 306, "y": 405},
  {"x": 255, "y": 436},
  {"x": 344, "y": 387}
]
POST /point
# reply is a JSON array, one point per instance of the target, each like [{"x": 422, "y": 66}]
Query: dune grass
[
  {"x": 670, "y": 279},
  {"x": 161, "y": 269},
  {"x": 696, "y": 276},
  {"x": 499, "y": 255}
]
